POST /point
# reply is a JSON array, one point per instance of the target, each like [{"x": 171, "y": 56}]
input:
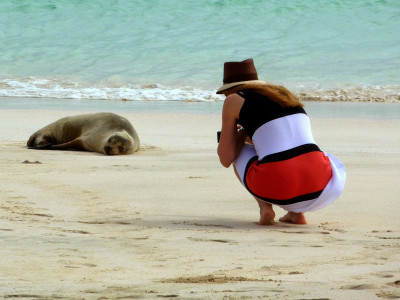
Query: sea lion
[{"x": 103, "y": 132}]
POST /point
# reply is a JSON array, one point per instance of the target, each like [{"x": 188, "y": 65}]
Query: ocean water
[{"x": 323, "y": 50}]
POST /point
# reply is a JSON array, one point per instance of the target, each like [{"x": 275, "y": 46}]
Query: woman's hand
[{"x": 248, "y": 139}]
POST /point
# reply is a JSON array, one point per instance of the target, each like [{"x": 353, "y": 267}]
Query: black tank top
[{"x": 258, "y": 109}]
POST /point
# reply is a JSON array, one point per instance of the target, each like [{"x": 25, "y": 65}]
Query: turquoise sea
[{"x": 323, "y": 50}]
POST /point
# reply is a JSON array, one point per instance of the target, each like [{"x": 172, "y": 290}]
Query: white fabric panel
[
  {"x": 283, "y": 134},
  {"x": 247, "y": 153}
]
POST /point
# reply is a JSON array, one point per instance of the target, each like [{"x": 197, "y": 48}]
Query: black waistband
[{"x": 288, "y": 154}]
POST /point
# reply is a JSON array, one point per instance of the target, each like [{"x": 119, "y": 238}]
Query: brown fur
[{"x": 105, "y": 133}]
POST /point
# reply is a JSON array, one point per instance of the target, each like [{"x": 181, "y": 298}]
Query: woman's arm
[{"x": 231, "y": 140}]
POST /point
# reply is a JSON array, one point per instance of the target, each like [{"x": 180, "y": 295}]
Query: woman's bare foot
[
  {"x": 267, "y": 214},
  {"x": 295, "y": 218}
]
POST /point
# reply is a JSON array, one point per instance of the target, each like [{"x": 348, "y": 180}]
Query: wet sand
[{"x": 171, "y": 222}]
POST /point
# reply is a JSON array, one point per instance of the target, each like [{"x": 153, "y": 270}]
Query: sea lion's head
[
  {"x": 37, "y": 140},
  {"x": 119, "y": 143}
]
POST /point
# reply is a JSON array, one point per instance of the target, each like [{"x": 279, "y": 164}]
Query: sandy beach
[{"x": 171, "y": 222}]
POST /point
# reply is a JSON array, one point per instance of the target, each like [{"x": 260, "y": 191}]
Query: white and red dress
[{"x": 285, "y": 167}]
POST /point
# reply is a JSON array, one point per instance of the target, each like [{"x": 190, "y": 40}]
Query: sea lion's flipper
[{"x": 74, "y": 144}]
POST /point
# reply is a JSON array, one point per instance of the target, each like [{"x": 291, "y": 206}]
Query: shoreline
[
  {"x": 315, "y": 109},
  {"x": 171, "y": 222},
  {"x": 74, "y": 88}
]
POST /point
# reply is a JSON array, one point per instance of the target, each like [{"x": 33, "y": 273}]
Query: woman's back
[{"x": 274, "y": 128}]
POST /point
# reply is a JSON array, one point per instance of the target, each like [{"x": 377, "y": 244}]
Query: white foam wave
[
  {"x": 65, "y": 89},
  {"x": 389, "y": 94},
  {"x": 44, "y": 88}
]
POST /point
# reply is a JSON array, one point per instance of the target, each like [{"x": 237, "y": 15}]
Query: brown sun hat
[{"x": 239, "y": 72}]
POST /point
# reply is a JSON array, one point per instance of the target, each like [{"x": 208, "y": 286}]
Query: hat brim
[{"x": 230, "y": 85}]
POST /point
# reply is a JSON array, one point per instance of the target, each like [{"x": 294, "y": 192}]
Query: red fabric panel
[{"x": 303, "y": 174}]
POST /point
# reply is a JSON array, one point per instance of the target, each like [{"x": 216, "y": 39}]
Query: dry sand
[{"x": 170, "y": 222}]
